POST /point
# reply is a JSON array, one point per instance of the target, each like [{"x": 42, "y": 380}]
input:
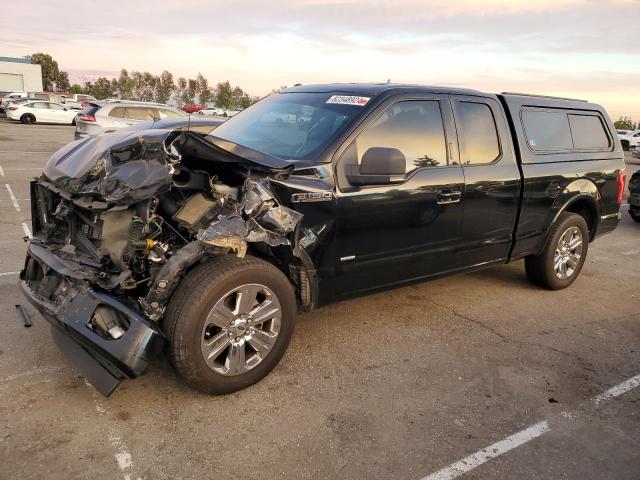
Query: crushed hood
[{"x": 126, "y": 167}]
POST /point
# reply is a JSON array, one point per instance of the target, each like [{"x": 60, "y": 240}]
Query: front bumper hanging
[{"x": 102, "y": 360}]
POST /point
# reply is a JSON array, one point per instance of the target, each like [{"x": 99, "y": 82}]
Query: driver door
[{"x": 409, "y": 229}]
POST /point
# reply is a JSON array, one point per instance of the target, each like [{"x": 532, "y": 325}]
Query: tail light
[
  {"x": 622, "y": 178},
  {"x": 87, "y": 118},
  {"x": 12, "y": 108}
]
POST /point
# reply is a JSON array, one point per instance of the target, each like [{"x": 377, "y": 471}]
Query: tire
[
  {"x": 541, "y": 269},
  {"x": 188, "y": 323},
  {"x": 27, "y": 118},
  {"x": 635, "y": 215},
  {"x": 625, "y": 145}
]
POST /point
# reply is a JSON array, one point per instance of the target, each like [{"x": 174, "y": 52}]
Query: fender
[{"x": 579, "y": 190}]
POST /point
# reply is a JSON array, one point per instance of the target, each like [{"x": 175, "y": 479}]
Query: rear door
[
  {"x": 58, "y": 114},
  {"x": 134, "y": 115},
  {"x": 389, "y": 234},
  {"x": 492, "y": 180}
]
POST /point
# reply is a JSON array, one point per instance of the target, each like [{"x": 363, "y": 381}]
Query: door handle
[{"x": 446, "y": 196}]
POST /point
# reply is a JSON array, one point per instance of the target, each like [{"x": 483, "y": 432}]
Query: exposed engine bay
[{"x": 127, "y": 215}]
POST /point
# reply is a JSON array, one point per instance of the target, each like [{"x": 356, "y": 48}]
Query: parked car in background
[
  {"x": 191, "y": 108},
  {"x": 634, "y": 196},
  {"x": 77, "y": 101},
  {"x": 191, "y": 123},
  {"x": 231, "y": 112},
  {"x": 8, "y": 97},
  {"x": 212, "y": 111},
  {"x": 101, "y": 117},
  {"x": 630, "y": 140},
  {"x": 37, "y": 111}
]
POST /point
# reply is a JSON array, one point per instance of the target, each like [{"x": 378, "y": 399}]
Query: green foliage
[
  {"x": 625, "y": 123},
  {"x": 49, "y": 68},
  {"x": 146, "y": 87},
  {"x": 224, "y": 95},
  {"x": 192, "y": 89},
  {"x": 164, "y": 87},
  {"x": 62, "y": 82},
  {"x": 101, "y": 88},
  {"x": 204, "y": 94},
  {"x": 126, "y": 85}
]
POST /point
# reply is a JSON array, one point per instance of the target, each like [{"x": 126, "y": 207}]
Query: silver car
[{"x": 101, "y": 117}]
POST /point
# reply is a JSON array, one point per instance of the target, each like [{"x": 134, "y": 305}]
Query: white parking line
[
  {"x": 6, "y": 274},
  {"x": 492, "y": 451},
  {"x": 1, "y": 171},
  {"x": 25, "y": 229},
  {"x": 14, "y": 200},
  {"x": 520, "y": 438},
  {"x": 121, "y": 454},
  {"x": 618, "y": 390}
]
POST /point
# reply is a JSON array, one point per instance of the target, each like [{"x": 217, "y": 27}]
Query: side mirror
[{"x": 379, "y": 166}]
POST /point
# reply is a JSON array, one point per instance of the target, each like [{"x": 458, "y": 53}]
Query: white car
[
  {"x": 630, "y": 139},
  {"x": 231, "y": 112},
  {"x": 42, "y": 112},
  {"x": 8, "y": 97},
  {"x": 211, "y": 111}
]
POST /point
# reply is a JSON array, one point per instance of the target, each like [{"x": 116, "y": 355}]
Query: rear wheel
[
  {"x": 562, "y": 259},
  {"x": 229, "y": 323},
  {"x": 635, "y": 214},
  {"x": 625, "y": 145},
  {"x": 27, "y": 118}
]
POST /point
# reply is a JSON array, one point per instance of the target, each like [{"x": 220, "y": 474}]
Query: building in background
[{"x": 19, "y": 75}]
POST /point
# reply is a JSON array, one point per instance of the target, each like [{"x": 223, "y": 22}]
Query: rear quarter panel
[{"x": 553, "y": 181}]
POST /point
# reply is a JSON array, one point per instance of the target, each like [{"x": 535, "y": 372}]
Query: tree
[
  {"x": 164, "y": 87},
  {"x": 204, "y": 94},
  {"x": 101, "y": 88},
  {"x": 224, "y": 95},
  {"x": 62, "y": 82},
  {"x": 192, "y": 90},
  {"x": 182, "y": 91},
  {"x": 246, "y": 101},
  {"x": 77, "y": 88},
  {"x": 624, "y": 123},
  {"x": 49, "y": 66},
  {"x": 125, "y": 85}
]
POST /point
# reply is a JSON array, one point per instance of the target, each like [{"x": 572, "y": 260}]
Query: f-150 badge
[{"x": 308, "y": 197}]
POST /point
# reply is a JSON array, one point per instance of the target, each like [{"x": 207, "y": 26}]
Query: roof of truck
[{"x": 376, "y": 88}]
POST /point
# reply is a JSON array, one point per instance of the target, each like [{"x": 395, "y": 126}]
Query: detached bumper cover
[{"x": 103, "y": 361}]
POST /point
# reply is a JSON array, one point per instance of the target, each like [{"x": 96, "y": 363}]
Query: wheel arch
[{"x": 581, "y": 197}]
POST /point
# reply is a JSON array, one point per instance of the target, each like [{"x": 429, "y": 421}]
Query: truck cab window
[
  {"x": 413, "y": 127},
  {"x": 477, "y": 133}
]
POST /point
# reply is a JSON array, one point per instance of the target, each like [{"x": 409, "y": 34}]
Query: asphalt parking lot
[{"x": 398, "y": 385}]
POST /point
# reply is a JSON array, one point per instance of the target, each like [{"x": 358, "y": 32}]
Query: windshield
[{"x": 291, "y": 126}]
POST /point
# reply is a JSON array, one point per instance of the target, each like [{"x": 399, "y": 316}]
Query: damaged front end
[{"x": 120, "y": 218}]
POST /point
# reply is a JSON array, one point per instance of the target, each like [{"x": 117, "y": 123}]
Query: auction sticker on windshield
[{"x": 349, "y": 100}]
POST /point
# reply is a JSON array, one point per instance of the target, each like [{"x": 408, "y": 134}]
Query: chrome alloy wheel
[
  {"x": 568, "y": 253},
  {"x": 241, "y": 329}
]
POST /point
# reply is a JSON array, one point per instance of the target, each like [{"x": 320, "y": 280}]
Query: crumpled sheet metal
[
  {"x": 120, "y": 167},
  {"x": 258, "y": 218}
]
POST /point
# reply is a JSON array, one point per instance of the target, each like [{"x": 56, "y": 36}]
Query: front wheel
[
  {"x": 562, "y": 259},
  {"x": 229, "y": 323},
  {"x": 625, "y": 145},
  {"x": 635, "y": 214}
]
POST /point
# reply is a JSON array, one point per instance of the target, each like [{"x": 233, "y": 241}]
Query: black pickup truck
[{"x": 209, "y": 244}]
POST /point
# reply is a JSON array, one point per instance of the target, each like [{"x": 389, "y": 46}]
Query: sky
[{"x": 578, "y": 48}]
